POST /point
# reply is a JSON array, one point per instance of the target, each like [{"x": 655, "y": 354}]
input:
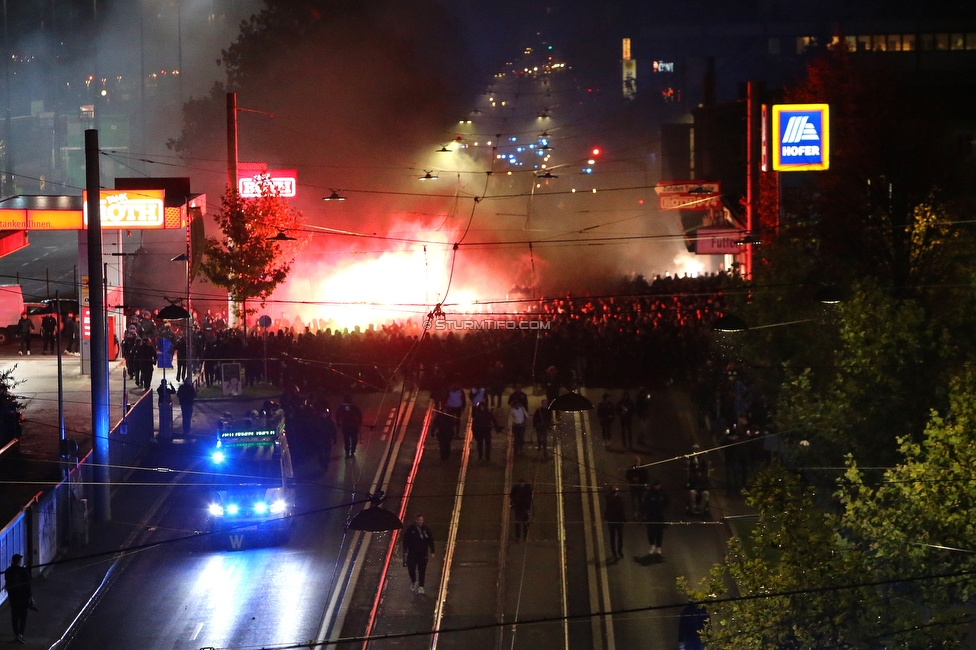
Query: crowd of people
[{"x": 625, "y": 340}]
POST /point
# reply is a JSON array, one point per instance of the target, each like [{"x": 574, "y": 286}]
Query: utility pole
[
  {"x": 753, "y": 156},
  {"x": 232, "y": 181},
  {"x": 99, "y": 335}
]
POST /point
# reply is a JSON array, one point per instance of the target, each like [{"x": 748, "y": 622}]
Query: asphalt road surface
[{"x": 330, "y": 586}]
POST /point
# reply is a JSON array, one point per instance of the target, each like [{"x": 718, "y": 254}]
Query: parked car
[{"x": 11, "y": 307}]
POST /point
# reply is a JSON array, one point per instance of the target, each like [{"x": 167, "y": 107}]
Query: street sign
[
  {"x": 265, "y": 321},
  {"x": 716, "y": 240},
  {"x": 689, "y": 195},
  {"x": 801, "y": 137}
]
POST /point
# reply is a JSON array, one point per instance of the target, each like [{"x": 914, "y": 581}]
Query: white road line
[
  {"x": 592, "y": 484},
  {"x": 196, "y": 631},
  {"x": 451, "y": 536},
  {"x": 561, "y": 518},
  {"x": 503, "y": 544},
  {"x": 333, "y": 617},
  {"x": 404, "y": 502},
  {"x": 591, "y": 559}
]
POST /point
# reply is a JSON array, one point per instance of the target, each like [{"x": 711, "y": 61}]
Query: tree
[
  {"x": 907, "y": 531},
  {"x": 246, "y": 261},
  {"x": 11, "y": 415}
]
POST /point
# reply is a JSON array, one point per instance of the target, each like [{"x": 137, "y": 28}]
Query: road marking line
[
  {"x": 451, "y": 542},
  {"x": 561, "y": 518},
  {"x": 598, "y": 530},
  {"x": 591, "y": 579},
  {"x": 196, "y": 631},
  {"x": 407, "y": 490},
  {"x": 334, "y": 615}
]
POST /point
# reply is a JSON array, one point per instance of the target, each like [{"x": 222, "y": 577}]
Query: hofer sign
[
  {"x": 801, "y": 137},
  {"x": 688, "y": 195}
]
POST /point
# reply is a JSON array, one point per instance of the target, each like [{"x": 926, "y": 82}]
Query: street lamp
[
  {"x": 429, "y": 176},
  {"x": 375, "y": 518},
  {"x": 571, "y": 403},
  {"x": 335, "y": 196},
  {"x": 281, "y": 236}
]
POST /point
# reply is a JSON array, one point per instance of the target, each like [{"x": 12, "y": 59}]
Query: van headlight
[
  {"x": 278, "y": 506},
  {"x": 216, "y": 510}
]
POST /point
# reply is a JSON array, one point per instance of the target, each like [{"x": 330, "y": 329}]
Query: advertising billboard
[{"x": 800, "y": 137}]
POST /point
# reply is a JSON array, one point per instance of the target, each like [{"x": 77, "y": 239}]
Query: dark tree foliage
[{"x": 10, "y": 409}]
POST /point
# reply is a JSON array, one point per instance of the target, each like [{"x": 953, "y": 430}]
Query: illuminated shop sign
[
  {"x": 128, "y": 209},
  {"x": 284, "y": 180},
  {"x": 801, "y": 137}
]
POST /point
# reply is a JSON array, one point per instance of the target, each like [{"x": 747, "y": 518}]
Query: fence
[{"x": 50, "y": 520}]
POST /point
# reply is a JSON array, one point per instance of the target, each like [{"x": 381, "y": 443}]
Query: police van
[{"x": 253, "y": 496}]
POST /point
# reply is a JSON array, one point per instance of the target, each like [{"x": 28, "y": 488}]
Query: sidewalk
[{"x": 76, "y": 576}]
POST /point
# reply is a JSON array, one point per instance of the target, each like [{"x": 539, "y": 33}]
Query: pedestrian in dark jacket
[
  {"x": 482, "y": 423},
  {"x": 693, "y": 620},
  {"x": 147, "y": 363},
  {"x": 605, "y": 413},
  {"x": 444, "y": 429},
  {"x": 24, "y": 328},
  {"x": 350, "y": 421},
  {"x": 625, "y": 411},
  {"x": 637, "y": 478},
  {"x": 615, "y": 514},
  {"x": 542, "y": 422},
  {"x": 520, "y": 501},
  {"x": 17, "y": 582},
  {"x": 655, "y": 514},
  {"x": 186, "y": 394},
  {"x": 417, "y": 543},
  {"x": 49, "y": 327}
]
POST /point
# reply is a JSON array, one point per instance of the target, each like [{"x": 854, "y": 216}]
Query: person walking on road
[
  {"x": 49, "y": 328},
  {"x": 165, "y": 393},
  {"x": 417, "y": 543},
  {"x": 518, "y": 419},
  {"x": 637, "y": 478},
  {"x": 693, "y": 619},
  {"x": 542, "y": 422},
  {"x": 24, "y": 329},
  {"x": 444, "y": 429},
  {"x": 642, "y": 409},
  {"x": 615, "y": 514},
  {"x": 520, "y": 501},
  {"x": 625, "y": 411},
  {"x": 186, "y": 394},
  {"x": 455, "y": 406},
  {"x": 350, "y": 421},
  {"x": 147, "y": 363},
  {"x": 482, "y": 423},
  {"x": 655, "y": 514},
  {"x": 605, "y": 413},
  {"x": 17, "y": 581}
]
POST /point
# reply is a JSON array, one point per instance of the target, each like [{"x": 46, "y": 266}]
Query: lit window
[
  {"x": 851, "y": 43},
  {"x": 957, "y": 42},
  {"x": 971, "y": 41},
  {"x": 863, "y": 43},
  {"x": 927, "y": 42},
  {"x": 894, "y": 42},
  {"x": 878, "y": 43},
  {"x": 803, "y": 43},
  {"x": 942, "y": 41},
  {"x": 908, "y": 43}
]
